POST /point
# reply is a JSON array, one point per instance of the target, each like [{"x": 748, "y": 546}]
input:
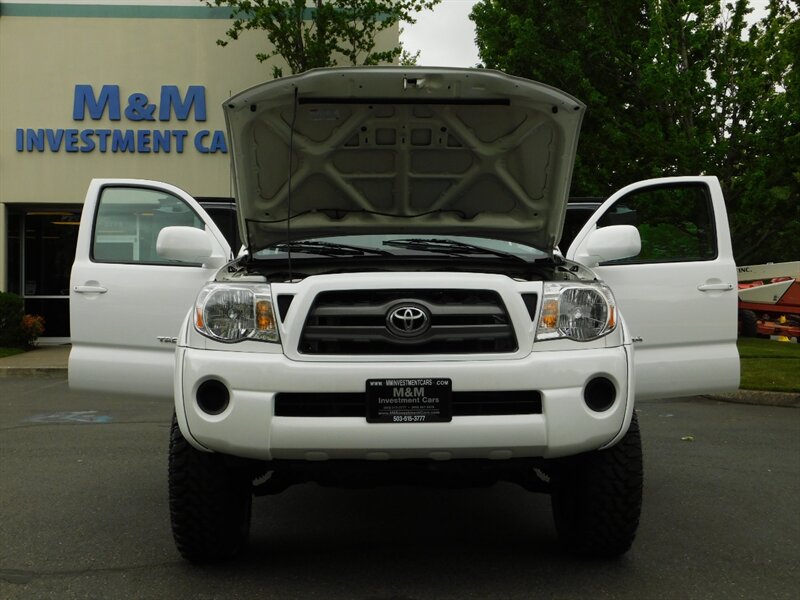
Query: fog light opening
[
  {"x": 600, "y": 394},
  {"x": 213, "y": 397}
]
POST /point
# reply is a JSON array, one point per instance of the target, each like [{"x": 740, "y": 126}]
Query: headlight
[
  {"x": 578, "y": 312},
  {"x": 234, "y": 313}
]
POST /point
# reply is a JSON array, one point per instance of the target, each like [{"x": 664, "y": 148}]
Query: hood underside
[{"x": 422, "y": 151}]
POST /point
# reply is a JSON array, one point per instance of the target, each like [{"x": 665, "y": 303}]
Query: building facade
[{"x": 107, "y": 89}]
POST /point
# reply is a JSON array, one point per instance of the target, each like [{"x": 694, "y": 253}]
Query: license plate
[{"x": 409, "y": 400}]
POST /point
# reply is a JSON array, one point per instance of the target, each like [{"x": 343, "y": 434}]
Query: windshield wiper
[
  {"x": 451, "y": 247},
  {"x": 329, "y": 249}
]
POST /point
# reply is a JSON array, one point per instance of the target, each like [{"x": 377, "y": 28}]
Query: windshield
[{"x": 403, "y": 245}]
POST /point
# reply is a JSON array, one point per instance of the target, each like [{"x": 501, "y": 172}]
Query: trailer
[{"x": 769, "y": 300}]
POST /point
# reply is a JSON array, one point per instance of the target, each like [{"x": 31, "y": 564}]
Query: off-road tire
[
  {"x": 210, "y": 498},
  {"x": 597, "y": 498},
  {"x": 748, "y": 323}
]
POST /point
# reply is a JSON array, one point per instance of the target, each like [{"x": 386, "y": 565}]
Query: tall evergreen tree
[{"x": 674, "y": 87}]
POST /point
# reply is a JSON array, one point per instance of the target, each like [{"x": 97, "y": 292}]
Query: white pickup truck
[{"x": 401, "y": 312}]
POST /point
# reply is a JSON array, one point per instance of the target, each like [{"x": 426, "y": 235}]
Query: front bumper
[{"x": 249, "y": 428}]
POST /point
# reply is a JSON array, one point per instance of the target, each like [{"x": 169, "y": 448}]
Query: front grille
[
  {"x": 355, "y": 322},
  {"x": 312, "y": 404}
]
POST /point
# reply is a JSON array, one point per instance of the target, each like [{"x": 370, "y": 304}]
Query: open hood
[{"x": 430, "y": 151}]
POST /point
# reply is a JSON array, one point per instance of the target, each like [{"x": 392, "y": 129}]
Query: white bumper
[{"x": 248, "y": 427}]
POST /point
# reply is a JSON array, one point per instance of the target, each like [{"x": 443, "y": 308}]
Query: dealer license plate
[{"x": 409, "y": 400}]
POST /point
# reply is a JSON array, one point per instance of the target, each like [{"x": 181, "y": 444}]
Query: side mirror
[
  {"x": 609, "y": 243},
  {"x": 187, "y": 244}
]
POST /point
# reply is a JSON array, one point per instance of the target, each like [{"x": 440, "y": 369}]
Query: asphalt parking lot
[{"x": 84, "y": 505}]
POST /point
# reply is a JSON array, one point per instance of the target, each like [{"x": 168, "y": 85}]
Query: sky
[{"x": 444, "y": 36}]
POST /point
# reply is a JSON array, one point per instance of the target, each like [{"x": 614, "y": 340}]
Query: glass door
[{"x": 41, "y": 244}]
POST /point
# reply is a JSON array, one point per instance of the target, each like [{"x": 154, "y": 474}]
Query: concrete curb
[
  {"x": 787, "y": 399},
  {"x": 32, "y": 372}
]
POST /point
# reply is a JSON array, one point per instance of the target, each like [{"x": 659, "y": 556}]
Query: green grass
[
  {"x": 10, "y": 351},
  {"x": 760, "y": 348},
  {"x": 769, "y": 366}
]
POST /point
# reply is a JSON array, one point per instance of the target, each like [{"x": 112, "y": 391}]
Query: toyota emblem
[{"x": 408, "y": 320}]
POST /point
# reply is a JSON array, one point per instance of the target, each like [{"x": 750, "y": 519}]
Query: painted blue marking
[{"x": 80, "y": 416}]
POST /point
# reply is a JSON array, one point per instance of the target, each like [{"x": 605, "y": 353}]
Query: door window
[
  {"x": 129, "y": 220},
  {"x": 676, "y": 223}
]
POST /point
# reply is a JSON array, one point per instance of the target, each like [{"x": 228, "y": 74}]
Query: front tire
[
  {"x": 210, "y": 499},
  {"x": 597, "y": 497}
]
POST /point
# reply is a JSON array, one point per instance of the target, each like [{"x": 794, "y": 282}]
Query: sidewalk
[
  {"x": 43, "y": 361},
  {"x": 51, "y": 361}
]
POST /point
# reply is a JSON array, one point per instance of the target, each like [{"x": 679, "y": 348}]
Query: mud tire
[
  {"x": 210, "y": 498},
  {"x": 597, "y": 498}
]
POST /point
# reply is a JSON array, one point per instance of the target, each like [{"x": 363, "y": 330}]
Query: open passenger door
[
  {"x": 678, "y": 295},
  {"x": 127, "y": 302}
]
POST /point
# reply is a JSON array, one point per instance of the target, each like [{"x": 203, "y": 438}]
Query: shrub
[
  {"x": 11, "y": 312},
  {"x": 32, "y": 326},
  {"x": 16, "y": 328}
]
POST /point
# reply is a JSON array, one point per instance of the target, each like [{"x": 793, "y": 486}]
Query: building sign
[{"x": 150, "y": 132}]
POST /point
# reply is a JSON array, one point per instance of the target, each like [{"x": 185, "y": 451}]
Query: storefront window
[
  {"x": 41, "y": 249},
  {"x": 50, "y": 239},
  {"x": 41, "y": 245}
]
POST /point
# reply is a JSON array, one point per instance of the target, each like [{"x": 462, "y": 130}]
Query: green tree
[
  {"x": 320, "y": 33},
  {"x": 586, "y": 50},
  {"x": 762, "y": 142},
  {"x": 674, "y": 87}
]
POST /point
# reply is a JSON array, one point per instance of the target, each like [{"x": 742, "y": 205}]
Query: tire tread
[
  {"x": 209, "y": 502},
  {"x": 597, "y": 498}
]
